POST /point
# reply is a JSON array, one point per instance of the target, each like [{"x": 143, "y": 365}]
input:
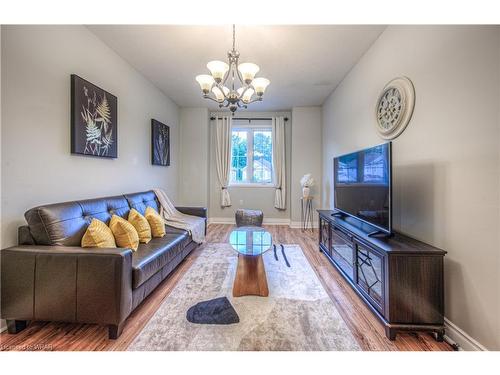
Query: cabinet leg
[
  {"x": 16, "y": 326},
  {"x": 114, "y": 331},
  {"x": 440, "y": 335},
  {"x": 390, "y": 333}
]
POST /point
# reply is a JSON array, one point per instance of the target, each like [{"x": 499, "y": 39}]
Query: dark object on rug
[
  {"x": 284, "y": 255},
  {"x": 214, "y": 311}
]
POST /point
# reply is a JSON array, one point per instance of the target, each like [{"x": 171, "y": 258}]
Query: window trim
[
  {"x": 251, "y": 128},
  {"x": 251, "y": 184}
]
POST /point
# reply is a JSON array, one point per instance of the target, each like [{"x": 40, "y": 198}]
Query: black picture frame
[
  {"x": 94, "y": 120},
  {"x": 160, "y": 143}
]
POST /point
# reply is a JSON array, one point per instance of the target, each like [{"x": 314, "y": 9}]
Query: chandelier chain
[{"x": 234, "y": 36}]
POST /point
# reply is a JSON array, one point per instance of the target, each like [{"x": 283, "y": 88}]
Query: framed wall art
[
  {"x": 160, "y": 143},
  {"x": 94, "y": 124}
]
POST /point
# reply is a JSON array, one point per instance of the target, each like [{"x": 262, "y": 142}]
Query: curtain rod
[{"x": 249, "y": 118}]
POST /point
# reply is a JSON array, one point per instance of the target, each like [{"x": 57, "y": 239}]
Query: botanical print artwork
[
  {"x": 93, "y": 120},
  {"x": 160, "y": 143}
]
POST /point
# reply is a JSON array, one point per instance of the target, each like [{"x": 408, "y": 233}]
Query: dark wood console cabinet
[{"x": 399, "y": 278}]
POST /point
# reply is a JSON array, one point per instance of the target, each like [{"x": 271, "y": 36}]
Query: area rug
[{"x": 297, "y": 315}]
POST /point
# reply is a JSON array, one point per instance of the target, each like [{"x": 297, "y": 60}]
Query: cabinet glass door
[
  {"x": 324, "y": 235},
  {"x": 343, "y": 252},
  {"x": 370, "y": 275}
]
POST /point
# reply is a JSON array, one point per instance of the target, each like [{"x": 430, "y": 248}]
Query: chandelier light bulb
[
  {"x": 206, "y": 82},
  {"x": 247, "y": 96},
  {"x": 260, "y": 84},
  {"x": 248, "y": 71},
  {"x": 219, "y": 95},
  {"x": 218, "y": 69}
]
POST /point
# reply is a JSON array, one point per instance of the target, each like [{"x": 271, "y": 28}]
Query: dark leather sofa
[{"x": 49, "y": 277}]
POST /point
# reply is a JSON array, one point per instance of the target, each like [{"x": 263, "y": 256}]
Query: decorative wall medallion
[{"x": 395, "y": 107}]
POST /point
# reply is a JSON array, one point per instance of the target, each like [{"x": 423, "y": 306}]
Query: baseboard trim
[
  {"x": 231, "y": 220},
  {"x": 220, "y": 220},
  {"x": 3, "y": 325},
  {"x": 456, "y": 335},
  {"x": 267, "y": 221},
  {"x": 298, "y": 224}
]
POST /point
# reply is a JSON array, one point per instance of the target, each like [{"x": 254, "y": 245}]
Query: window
[
  {"x": 251, "y": 153},
  {"x": 375, "y": 168},
  {"x": 348, "y": 168}
]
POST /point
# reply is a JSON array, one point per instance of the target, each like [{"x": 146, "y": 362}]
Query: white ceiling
[{"x": 303, "y": 63}]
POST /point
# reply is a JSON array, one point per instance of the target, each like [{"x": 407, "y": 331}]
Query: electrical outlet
[{"x": 241, "y": 202}]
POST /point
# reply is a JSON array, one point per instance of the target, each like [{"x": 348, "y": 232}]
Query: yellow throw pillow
[
  {"x": 155, "y": 221},
  {"x": 140, "y": 224},
  {"x": 98, "y": 235},
  {"x": 124, "y": 232}
]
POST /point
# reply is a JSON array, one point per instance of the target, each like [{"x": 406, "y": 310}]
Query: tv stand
[{"x": 400, "y": 279}]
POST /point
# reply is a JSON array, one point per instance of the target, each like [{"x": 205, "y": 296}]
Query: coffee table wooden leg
[{"x": 250, "y": 277}]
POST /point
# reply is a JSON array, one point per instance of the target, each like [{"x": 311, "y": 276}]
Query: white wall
[
  {"x": 194, "y": 157},
  {"x": 261, "y": 198},
  {"x": 446, "y": 163},
  {"x": 306, "y": 156},
  {"x": 2, "y": 322},
  {"x": 37, "y": 166},
  {"x": 1, "y": 247}
]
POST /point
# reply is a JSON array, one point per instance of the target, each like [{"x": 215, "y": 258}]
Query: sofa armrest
[
  {"x": 71, "y": 284},
  {"x": 195, "y": 211}
]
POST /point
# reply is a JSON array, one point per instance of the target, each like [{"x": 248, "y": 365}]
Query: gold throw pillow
[
  {"x": 140, "y": 224},
  {"x": 155, "y": 221},
  {"x": 124, "y": 232},
  {"x": 98, "y": 235}
]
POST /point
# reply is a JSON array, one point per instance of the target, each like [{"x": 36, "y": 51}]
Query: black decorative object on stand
[
  {"x": 94, "y": 122},
  {"x": 160, "y": 143},
  {"x": 214, "y": 311}
]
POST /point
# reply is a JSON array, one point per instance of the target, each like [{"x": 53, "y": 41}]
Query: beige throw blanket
[{"x": 193, "y": 224}]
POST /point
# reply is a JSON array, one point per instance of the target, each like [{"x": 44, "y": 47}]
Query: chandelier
[{"x": 232, "y": 85}]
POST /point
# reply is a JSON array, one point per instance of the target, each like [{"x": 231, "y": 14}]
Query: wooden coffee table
[{"x": 250, "y": 243}]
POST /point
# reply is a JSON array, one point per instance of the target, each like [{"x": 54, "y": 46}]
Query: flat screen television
[{"x": 362, "y": 186}]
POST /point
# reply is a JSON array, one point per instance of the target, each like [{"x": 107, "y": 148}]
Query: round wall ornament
[{"x": 395, "y": 107}]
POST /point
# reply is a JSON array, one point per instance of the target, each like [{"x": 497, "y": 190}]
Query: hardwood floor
[{"x": 364, "y": 325}]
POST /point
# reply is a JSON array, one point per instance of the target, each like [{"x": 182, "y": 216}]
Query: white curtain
[
  {"x": 223, "y": 156},
  {"x": 279, "y": 162}
]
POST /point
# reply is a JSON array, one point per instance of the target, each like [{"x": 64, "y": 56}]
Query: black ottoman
[{"x": 245, "y": 218}]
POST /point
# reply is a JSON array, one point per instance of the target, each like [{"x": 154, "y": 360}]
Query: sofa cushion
[
  {"x": 65, "y": 223},
  {"x": 140, "y": 201},
  {"x": 141, "y": 225},
  {"x": 125, "y": 234},
  {"x": 98, "y": 234},
  {"x": 153, "y": 256},
  {"x": 156, "y": 222}
]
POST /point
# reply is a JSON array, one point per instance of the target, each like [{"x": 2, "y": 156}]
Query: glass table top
[{"x": 250, "y": 240}]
